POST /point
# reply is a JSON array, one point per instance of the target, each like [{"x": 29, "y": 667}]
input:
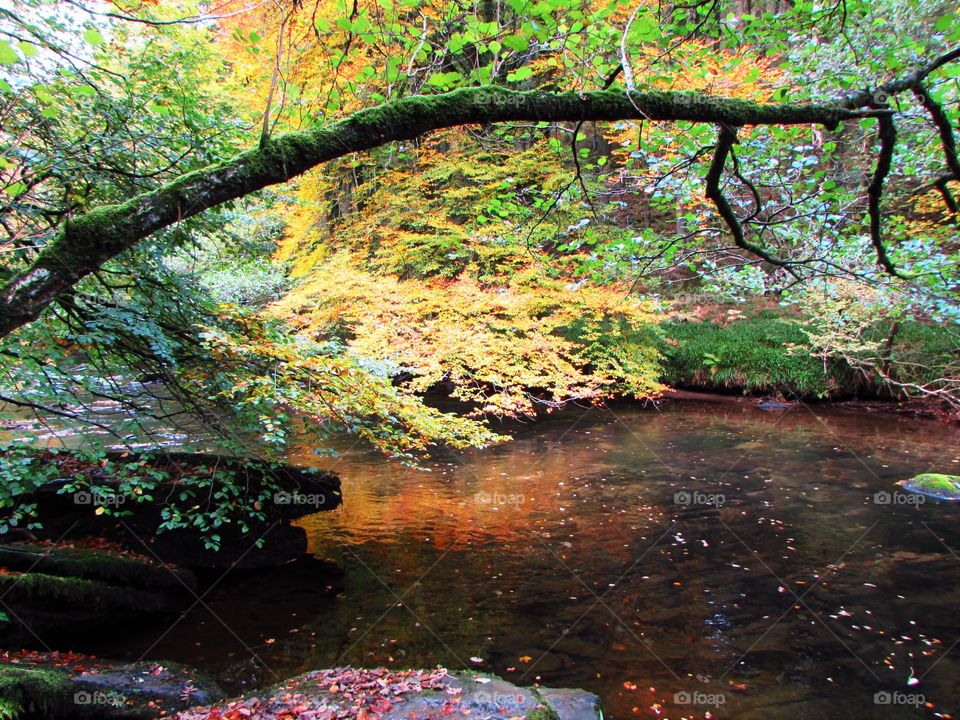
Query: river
[{"x": 703, "y": 557}]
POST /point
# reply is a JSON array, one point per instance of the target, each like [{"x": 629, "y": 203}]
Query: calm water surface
[{"x": 703, "y": 558}]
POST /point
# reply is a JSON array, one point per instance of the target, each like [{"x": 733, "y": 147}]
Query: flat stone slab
[
  {"x": 382, "y": 694},
  {"x": 935, "y": 485},
  {"x": 572, "y": 704}
]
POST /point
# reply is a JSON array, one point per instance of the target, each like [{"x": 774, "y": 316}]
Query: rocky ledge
[
  {"x": 54, "y": 590},
  {"x": 36, "y": 685},
  {"x": 382, "y": 694},
  {"x": 54, "y": 686},
  {"x": 71, "y": 505}
]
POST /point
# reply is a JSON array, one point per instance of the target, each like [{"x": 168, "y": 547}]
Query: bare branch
[
  {"x": 940, "y": 119},
  {"x": 726, "y": 139},
  {"x": 887, "y": 134}
]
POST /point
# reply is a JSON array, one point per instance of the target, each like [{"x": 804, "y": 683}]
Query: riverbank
[
  {"x": 920, "y": 409},
  {"x": 766, "y": 354}
]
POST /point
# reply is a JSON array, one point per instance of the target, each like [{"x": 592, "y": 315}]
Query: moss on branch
[{"x": 86, "y": 242}]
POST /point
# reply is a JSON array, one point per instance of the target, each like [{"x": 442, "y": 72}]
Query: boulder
[
  {"x": 66, "y": 590},
  {"x": 293, "y": 492},
  {"x": 55, "y": 685}
]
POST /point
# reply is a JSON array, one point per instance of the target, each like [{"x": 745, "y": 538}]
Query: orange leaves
[{"x": 273, "y": 380}]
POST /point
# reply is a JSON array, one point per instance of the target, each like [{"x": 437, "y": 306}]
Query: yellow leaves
[
  {"x": 496, "y": 345},
  {"x": 431, "y": 273}
]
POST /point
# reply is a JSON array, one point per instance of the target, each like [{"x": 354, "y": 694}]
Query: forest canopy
[{"x": 297, "y": 218}]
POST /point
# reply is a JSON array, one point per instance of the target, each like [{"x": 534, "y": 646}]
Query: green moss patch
[{"x": 937, "y": 485}]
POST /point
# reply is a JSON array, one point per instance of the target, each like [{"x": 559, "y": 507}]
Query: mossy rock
[
  {"x": 541, "y": 713},
  {"x": 409, "y": 694},
  {"x": 935, "y": 485},
  {"x": 296, "y": 492},
  {"x": 56, "y": 590},
  {"x": 46, "y": 688},
  {"x": 96, "y": 565},
  {"x": 81, "y": 594},
  {"x": 29, "y": 690}
]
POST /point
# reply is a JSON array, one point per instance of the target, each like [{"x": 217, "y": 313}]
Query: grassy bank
[{"x": 767, "y": 354}]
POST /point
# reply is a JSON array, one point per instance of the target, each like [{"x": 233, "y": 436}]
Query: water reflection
[{"x": 706, "y": 558}]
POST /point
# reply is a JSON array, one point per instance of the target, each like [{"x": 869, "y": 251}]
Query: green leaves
[
  {"x": 522, "y": 73},
  {"x": 93, "y": 37},
  {"x": 645, "y": 28},
  {"x": 445, "y": 80},
  {"x": 517, "y": 43},
  {"x": 8, "y": 55},
  {"x": 946, "y": 22}
]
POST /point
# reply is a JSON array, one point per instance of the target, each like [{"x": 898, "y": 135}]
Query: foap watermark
[
  {"x": 701, "y": 297},
  {"x": 93, "y": 497},
  {"x": 99, "y": 697},
  {"x": 497, "y": 498},
  {"x": 702, "y": 699},
  {"x": 500, "y": 99},
  {"x": 885, "y": 697},
  {"x": 695, "y": 497},
  {"x": 499, "y": 700},
  {"x": 897, "y": 498},
  {"x": 297, "y": 498},
  {"x": 688, "y": 99}
]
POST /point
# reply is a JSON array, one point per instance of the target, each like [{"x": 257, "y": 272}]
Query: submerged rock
[{"x": 935, "y": 485}]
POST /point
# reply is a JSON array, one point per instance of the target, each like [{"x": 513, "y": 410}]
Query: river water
[{"x": 703, "y": 559}]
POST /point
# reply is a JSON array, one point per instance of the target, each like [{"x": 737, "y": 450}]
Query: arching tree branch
[{"x": 87, "y": 242}]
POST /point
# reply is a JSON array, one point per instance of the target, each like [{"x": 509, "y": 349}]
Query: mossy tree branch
[{"x": 85, "y": 243}]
